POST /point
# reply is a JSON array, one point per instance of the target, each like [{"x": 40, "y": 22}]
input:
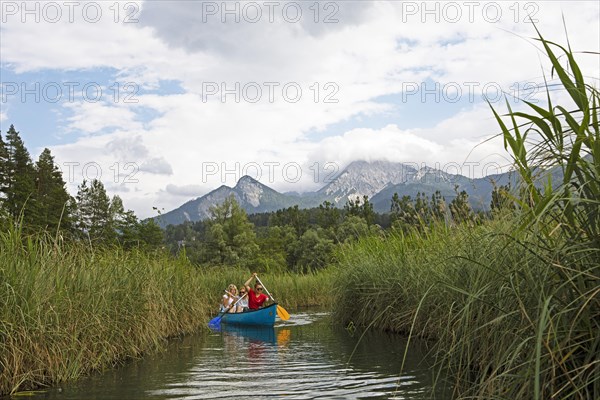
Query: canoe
[{"x": 261, "y": 317}]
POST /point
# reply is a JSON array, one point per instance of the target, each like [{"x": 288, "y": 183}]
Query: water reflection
[{"x": 305, "y": 358}]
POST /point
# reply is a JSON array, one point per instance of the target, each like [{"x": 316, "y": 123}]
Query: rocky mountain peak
[
  {"x": 250, "y": 190},
  {"x": 377, "y": 179},
  {"x": 363, "y": 178}
]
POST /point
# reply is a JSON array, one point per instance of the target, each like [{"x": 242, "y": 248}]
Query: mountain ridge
[{"x": 378, "y": 180}]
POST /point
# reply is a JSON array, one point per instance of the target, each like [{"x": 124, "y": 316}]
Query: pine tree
[
  {"x": 403, "y": 212},
  {"x": 3, "y": 184},
  {"x": 52, "y": 202},
  {"x": 3, "y": 169},
  {"x": 19, "y": 178},
  {"x": 363, "y": 209},
  {"x": 460, "y": 208},
  {"x": 328, "y": 216},
  {"x": 126, "y": 225},
  {"x": 150, "y": 233},
  {"x": 93, "y": 213}
]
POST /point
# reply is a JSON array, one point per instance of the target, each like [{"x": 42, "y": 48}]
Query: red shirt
[{"x": 254, "y": 301}]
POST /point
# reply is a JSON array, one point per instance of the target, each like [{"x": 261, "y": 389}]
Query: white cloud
[
  {"x": 90, "y": 118},
  {"x": 187, "y": 191},
  {"x": 373, "y": 52}
]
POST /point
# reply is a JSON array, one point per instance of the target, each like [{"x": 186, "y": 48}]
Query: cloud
[
  {"x": 237, "y": 29},
  {"x": 158, "y": 166},
  {"x": 466, "y": 140},
  {"x": 91, "y": 118},
  {"x": 127, "y": 147},
  {"x": 185, "y": 190},
  {"x": 369, "y": 56},
  {"x": 3, "y": 116}
]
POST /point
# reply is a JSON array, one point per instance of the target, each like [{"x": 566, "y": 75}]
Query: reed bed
[
  {"x": 67, "y": 309},
  {"x": 512, "y": 306},
  {"x": 501, "y": 317}
]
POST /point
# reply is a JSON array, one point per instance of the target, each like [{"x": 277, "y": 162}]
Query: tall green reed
[
  {"x": 512, "y": 306},
  {"x": 565, "y": 218},
  {"x": 67, "y": 309}
]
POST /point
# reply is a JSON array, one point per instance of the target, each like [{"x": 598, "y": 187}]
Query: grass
[
  {"x": 513, "y": 305},
  {"x": 503, "y": 321},
  {"x": 66, "y": 309}
]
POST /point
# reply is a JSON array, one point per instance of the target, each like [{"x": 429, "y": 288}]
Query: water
[{"x": 303, "y": 358}]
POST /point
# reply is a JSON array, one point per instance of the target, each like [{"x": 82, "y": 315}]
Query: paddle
[
  {"x": 283, "y": 314},
  {"x": 215, "y": 323}
]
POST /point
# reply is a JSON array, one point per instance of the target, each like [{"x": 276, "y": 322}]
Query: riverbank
[
  {"x": 508, "y": 317},
  {"x": 67, "y": 309},
  {"x": 511, "y": 303}
]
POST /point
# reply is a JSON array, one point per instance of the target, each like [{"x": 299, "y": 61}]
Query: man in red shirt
[{"x": 256, "y": 297}]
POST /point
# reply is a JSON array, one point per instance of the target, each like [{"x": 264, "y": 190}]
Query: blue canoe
[{"x": 261, "y": 317}]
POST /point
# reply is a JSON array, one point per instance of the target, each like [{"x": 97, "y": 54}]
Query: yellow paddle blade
[{"x": 283, "y": 314}]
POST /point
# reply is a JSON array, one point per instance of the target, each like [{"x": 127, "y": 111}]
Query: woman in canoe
[
  {"x": 256, "y": 297},
  {"x": 242, "y": 305},
  {"x": 229, "y": 298}
]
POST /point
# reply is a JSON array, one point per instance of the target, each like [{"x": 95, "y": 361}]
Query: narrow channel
[{"x": 306, "y": 357}]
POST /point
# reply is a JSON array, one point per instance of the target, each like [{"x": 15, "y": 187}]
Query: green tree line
[
  {"x": 34, "y": 195},
  {"x": 306, "y": 240}
]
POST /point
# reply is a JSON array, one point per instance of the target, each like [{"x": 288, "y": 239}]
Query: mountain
[
  {"x": 428, "y": 182},
  {"x": 362, "y": 178},
  {"x": 381, "y": 179},
  {"x": 378, "y": 179},
  {"x": 253, "y": 196}
]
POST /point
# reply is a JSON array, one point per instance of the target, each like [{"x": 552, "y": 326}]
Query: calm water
[{"x": 303, "y": 358}]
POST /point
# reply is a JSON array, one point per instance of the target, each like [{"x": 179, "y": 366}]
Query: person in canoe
[
  {"x": 256, "y": 297},
  {"x": 242, "y": 305},
  {"x": 229, "y": 298}
]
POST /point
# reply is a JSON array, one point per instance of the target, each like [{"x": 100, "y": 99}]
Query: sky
[{"x": 165, "y": 101}]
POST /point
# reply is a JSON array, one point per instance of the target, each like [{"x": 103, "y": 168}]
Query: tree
[
  {"x": 53, "y": 205},
  {"x": 276, "y": 249},
  {"x": 124, "y": 223},
  {"x": 93, "y": 212},
  {"x": 3, "y": 169},
  {"x": 4, "y": 219},
  {"x": 352, "y": 228},
  {"x": 230, "y": 236},
  {"x": 150, "y": 233},
  {"x": 19, "y": 178},
  {"x": 439, "y": 208},
  {"x": 502, "y": 199},
  {"x": 291, "y": 216},
  {"x": 328, "y": 216},
  {"x": 423, "y": 209},
  {"x": 403, "y": 213},
  {"x": 363, "y": 209},
  {"x": 460, "y": 208},
  {"x": 312, "y": 251}
]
